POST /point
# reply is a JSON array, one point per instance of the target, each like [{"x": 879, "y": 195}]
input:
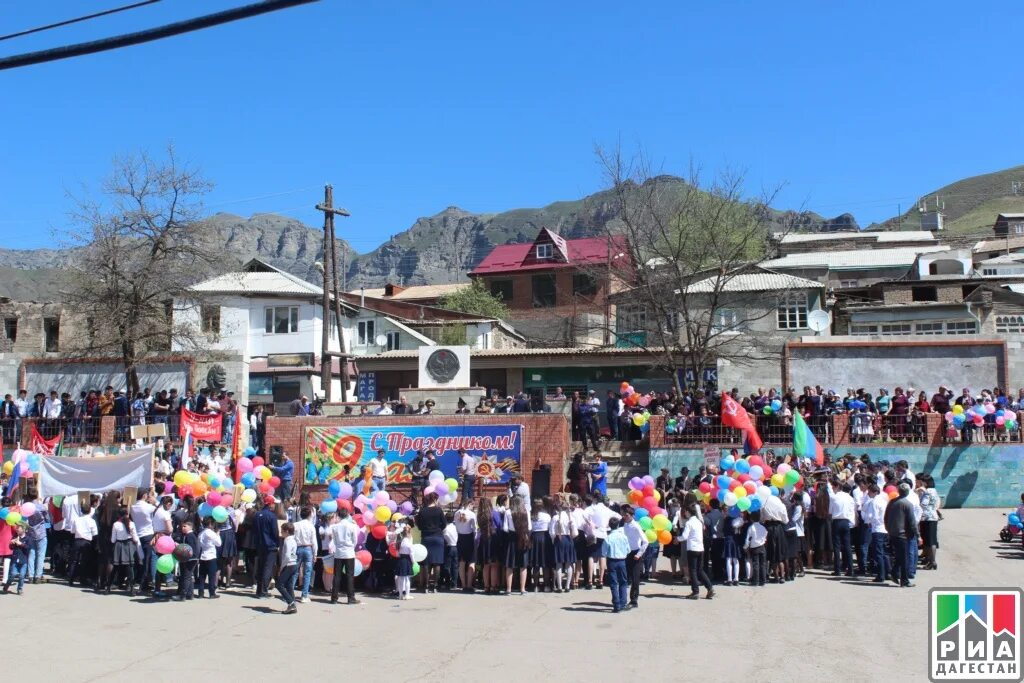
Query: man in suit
[{"x": 267, "y": 542}]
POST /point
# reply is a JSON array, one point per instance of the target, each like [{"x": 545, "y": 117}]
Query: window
[
  {"x": 282, "y": 320},
  {"x": 962, "y": 327},
  {"x": 1010, "y": 324},
  {"x": 11, "y": 329},
  {"x": 583, "y": 285},
  {"x": 792, "y": 311},
  {"x": 847, "y": 284},
  {"x": 725, "y": 320},
  {"x": 989, "y": 271},
  {"x": 924, "y": 294},
  {"x": 543, "y": 291},
  {"x": 1017, "y": 228},
  {"x": 630, "y": 318},
  {"x": 929, "y": 328},
  {"x": 861, "y": 330},
  {"x": 209, "y": 318},
  {"x": 393, "y": 341},
  {"x": 51, "y": 334},
  {"x": 895, "y": 328},
  {"x": 967, "y": 290},
  {"x": 366, "y": 332},
  {"x": 544, "y": 251},
  {"x": 502, "y": 289}
]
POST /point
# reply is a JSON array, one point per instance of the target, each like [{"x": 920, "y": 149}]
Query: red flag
[
  {"x": 733, "y": 415},
  {"x": 44, "y": 446}
]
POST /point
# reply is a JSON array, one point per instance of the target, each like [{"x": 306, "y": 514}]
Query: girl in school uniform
[
  {"x": 671, "y": 550},
  {"x": 403, "y": 568},
  {"x": 578, "y": 520},
  {"x": 563, "y": 533},
  {"x": 227, "y": 553},
  {"x": 732, "y": 548},
  {"x": 540, "y": 540},
  {"x": 210, "y": 541},
  {"x": 466, "y": 530},
  {"x": 487, "y": 546},
  {"x": 125, "y": 547},
  {"x": 516, "y": 524}
]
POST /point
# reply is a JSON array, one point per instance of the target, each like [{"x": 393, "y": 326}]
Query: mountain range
[{"x": 443, "y": 247}]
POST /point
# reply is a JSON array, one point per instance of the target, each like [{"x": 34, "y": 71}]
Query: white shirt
[
  {"x": 209, "y": 541},
  {"x": 859, "y": 497},
  {"x": 162, "y": 523},
  {"x": 465, "y": 521},
  {"x": 379, "y": 467},
  {"x": 523, "y": 492},
  {"x": 635, "y": 535},
  {"x": 142, "y": 516},
  {"x": 564, "y": 524},
  {"x": 451, "y": 535},
  {"x": 305, "y": 534},
  {"x": 84, "y": 527},
  {"x": 578, "y": 519},
  {"x": 384, "y": 410},
  {"x": 52, "y": 408},
  {"x": 757, "y": 536},
  {"x": 119, "y": 533},
  {"x": 841, "y": 506},
  {"x": 69, "y": 511},
  {"x": 22, "y": 405},
  {"x": 344, "y": 535},
  {"x": 873, "y": 512},
  {"x": 468, "y": 464},
  {"x": 599, "y": 515},
  {"x": 507, "y": 523},
  {"x": 916, "y": 501},
  {"x": 542, "y": 522},
  {"x": 774, "y": 510},
  {"x": 693, "y": 535}
]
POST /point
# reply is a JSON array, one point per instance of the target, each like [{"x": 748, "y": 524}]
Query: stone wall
[{"x": 546, "y": 439}]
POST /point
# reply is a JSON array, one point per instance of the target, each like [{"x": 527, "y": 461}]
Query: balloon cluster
[
  {"x": 1013, "y": 519},
  {"x": 29, "y": 465},
  {"x": 857, "y": 404},
  {"x": 652, "y": 519},
  {"x": 774, "y": 407},
  {"x": 977, "y": 413},
  {"x": 631, "y": 398},
  {"x": 17, "y": 514},
  {"x": 746, "y": 483}
]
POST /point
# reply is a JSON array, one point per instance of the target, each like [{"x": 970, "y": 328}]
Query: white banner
[{"x": 68, "y": 476}]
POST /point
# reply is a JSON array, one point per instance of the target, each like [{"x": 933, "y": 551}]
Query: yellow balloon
[
  {"x": 263, "y": 472},
  {"x": 657, "y": 495},
  {"x": 192, "y": 478},
  {"x": 382, "y": 514},
  {"x": 181, "y": 478},
  {"x": 958, "y": 409},
  {"x": 8, "y": 467},
  {"x": 778, "y": 481},
  {"x": 740, "y": 492},
  {"x": 248, "y": 495}
]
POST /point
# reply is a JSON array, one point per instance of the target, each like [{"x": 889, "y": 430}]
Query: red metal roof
[{"x": 582, "y": 252}]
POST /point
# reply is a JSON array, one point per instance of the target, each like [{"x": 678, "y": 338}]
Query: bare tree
[
  {"x": 691, "y": 241},
  {"x": 140, "y": 245}
]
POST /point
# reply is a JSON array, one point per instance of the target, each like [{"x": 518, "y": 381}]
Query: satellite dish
[
  {"x": 381, "y": 340},
  {"x": 819, "y": 320}
]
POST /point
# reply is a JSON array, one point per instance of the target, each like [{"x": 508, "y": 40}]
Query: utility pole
[{"x": 330, "y": 275}]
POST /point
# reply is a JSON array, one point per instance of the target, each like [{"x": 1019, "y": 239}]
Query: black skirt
[
  {"x": 580, "y": 546},
  {"x": 541, "y": 552},
  {"x": 671, "y": 550},
  {"x": 487, "y": 549},
  {"x": 930, "y": 533},
  {"x": 516, "y": 557},
  {"x": 467, "y": 547},
  {"x": 776, "y": 542},
  {"x": 435, "y": 549},
  {"x": 563, "y": 550},
  {"x": 792, "y": 545},
  {"x": 228, "y": 545},
  {"x": 403, "y": 566},
  {"x": 124, "y": 552}
]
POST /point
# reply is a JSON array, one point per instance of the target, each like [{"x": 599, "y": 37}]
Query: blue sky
[{"x": 408, "y": 107}]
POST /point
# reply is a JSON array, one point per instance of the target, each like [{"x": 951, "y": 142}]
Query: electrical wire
[
  {"x": 76, "y": 20},
  {"x": 149, "y": 35}
]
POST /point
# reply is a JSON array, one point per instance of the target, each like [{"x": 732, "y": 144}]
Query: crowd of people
[{"x": 854, "y": 517}]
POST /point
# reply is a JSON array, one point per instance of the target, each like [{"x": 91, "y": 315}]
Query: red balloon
[
  {"x": 648, "y": 502},
  {"x": 257, "y": 461},
  {"x": 648, "y": 491},
  {"x": 392, "y": 550},
  {"x": 379, "y": 531},
  {"x": 799, "y": 484},
  {"x": 275, "y": 481},
  {"x": 364, "y": 557},
  {"x": 768, "y": 472},
  {"x": 743, "y": 478},
  {"x": 704, "y": 487},
  {"x": 756, "y": 460},
  {"x": 344, "y": 504}
]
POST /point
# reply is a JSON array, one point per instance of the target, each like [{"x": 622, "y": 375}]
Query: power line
[
  {"x": 149, "y": 35},
  {"x": 68, "y": 22}
]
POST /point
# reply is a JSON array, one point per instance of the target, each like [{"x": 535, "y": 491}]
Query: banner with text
[
  {"x": 203, "y": 427},
  {"x": 497, "y": 449}
]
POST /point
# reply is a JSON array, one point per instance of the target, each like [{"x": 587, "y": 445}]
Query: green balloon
[
  {"x": 165, "y": 564},
  {"x": 743, "y": 503},
  {"x": 646, "y": 523},
  {"x": 792, "y": 477},
  {"x": 767, "y": 410},
  {"x": 220, "y": 515},
  {"x": 415, "y": 568}
]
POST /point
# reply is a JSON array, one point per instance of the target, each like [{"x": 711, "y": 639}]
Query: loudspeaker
[{"x": 541, "y": 482}]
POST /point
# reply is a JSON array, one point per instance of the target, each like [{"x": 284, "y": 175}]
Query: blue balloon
[
  {"x": 774, "y": 490},
  {"x": 722, "y": 481},
  {"x": 776, "y": 405},
  {"x": 734, "y": 511},
  {"x": 721, "y": 495},
  {"x": 1014, "y": 518},
  {"x": 248, "y": 480},
  {"x": 249, "y": 452},
  {"x": 728, "y": 463},
  {"x": 227, "y": 483},
  {"x": 958, "y": 420},
  {"x": 742, "y": 466},
  {"x": 1000, "y": 412},
  {"x": 329, "y": 507},
  {"x": 640, "y": 512},
  {"x": 334, "y": 488},
  {"x": 3, "y": 513},
  {"x": 755, "y": 503},
  {"x": 205, "y": 510}
]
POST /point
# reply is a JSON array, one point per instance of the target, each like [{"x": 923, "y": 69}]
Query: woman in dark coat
[{"x": 577, "y": 476}]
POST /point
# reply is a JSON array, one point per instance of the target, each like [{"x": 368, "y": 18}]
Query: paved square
[{"x": 816, "y": 628}]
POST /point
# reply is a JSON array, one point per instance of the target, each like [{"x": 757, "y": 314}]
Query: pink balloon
[
  {"x": 345, "y": 491},
  {"x": 368, "y": 518},
  {"x": 168, "y": 487},
  {"x": 999, "y": 421},
  {"x": 164, "y": 545},
  {"x": 979, "y": 420},
  {"x": 214, "y": 498},
  {"x": 28, "y": 509},
  {"x": 382, "y": 497},
  {"x": 244, "y": 465},
  {"x": 227, "y": 500}
]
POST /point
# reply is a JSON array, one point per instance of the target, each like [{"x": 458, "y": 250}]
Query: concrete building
[
  {"x": 1009, "y": 225},
  {"x": 850, "y": 269},
  {"x": 849, "y": 240},
  {"x": 558, "y": 290}
]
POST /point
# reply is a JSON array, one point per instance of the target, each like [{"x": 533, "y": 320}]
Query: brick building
[{"x": 558, "y": 289}]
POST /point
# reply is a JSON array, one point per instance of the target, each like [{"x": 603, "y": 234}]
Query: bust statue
[{"x": 216, "y": 377}]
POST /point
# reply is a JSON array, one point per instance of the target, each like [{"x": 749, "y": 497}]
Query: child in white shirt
[
  {"x": 403, "y": 570},
  {"x": 757, "y": 536}
]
